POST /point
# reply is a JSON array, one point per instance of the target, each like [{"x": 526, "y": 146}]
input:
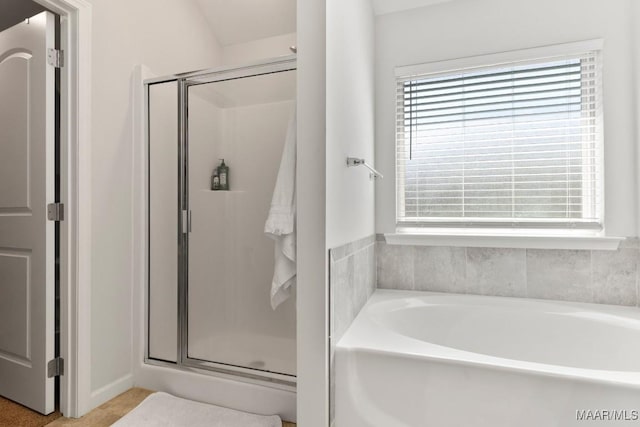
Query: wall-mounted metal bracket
[{"x": 353, "y": 161}]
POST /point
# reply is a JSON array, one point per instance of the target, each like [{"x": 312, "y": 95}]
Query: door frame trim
[{"x": 75, "y": 185}]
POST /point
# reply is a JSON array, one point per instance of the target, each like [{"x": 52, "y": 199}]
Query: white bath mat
[{"x": 164, "y": 410}]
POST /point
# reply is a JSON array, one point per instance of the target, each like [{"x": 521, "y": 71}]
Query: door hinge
[
  {"x": 55, "y": 211},
  {"x": 55, "y": 367},
  {"x": 55, "y": 58}
]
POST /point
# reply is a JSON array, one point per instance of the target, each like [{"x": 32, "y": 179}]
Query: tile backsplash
[{"x": 606, "y": 277}]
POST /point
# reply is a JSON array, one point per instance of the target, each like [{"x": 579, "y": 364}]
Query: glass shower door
[{"x": 229, "y": 318}]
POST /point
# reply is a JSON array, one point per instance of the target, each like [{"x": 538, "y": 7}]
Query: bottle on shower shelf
[
  {"x": 223, "y": 174},
  {"x": 215, "y": 181}
]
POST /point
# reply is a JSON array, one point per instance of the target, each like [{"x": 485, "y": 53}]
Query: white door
[{"x": 27, "y": 103}]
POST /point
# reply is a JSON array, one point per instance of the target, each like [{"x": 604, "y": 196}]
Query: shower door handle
[{"x": 186, "y": 222}]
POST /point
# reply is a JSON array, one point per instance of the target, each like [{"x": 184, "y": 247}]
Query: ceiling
[
  {"x": 382, "y": 7},
  {"x": 239, "y": 21}
]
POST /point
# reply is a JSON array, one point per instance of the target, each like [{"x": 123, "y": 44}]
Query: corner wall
[
  {"x": 335, "y": 203},
  {"x": 350, "y": 120},
  {"x": 350, "y": 192},
  {"x": 312, "y": 293},
  {"x": 126, "y": 34}
]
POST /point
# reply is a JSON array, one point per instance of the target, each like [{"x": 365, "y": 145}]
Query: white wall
[
  {"x": 350, "y": 120},
  {"x": 312, "y": 298},
  {"x": 256, "y": 50},
  {"x": 335, "y": 204},
  {"x": 168, "y": 39},
  {"x": 474, "y": 27},
  {"x": 635, "y": 19}
]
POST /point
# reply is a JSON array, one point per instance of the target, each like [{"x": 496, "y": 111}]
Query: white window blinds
[{"x": 517, "y": 144}]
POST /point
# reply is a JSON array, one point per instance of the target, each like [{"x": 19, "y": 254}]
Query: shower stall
[{"x": 210, "y": 265}]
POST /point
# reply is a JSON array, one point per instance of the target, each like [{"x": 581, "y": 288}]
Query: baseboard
[{"x": 111, "y": 390}]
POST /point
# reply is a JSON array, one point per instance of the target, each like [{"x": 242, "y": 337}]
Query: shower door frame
[{"x": 184, "y": 82}]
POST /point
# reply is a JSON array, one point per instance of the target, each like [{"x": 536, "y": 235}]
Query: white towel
[
  {"x": 281, "y": 222},
  {"x": 164, "y": 410}
]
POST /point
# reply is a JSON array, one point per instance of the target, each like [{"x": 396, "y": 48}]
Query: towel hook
[{"x": 354, "y": 161}]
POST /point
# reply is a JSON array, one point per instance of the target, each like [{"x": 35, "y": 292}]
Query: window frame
[{"x": 471, "y": 225}]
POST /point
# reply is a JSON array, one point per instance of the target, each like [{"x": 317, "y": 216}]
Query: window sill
[{"x": 524, "y": 239}]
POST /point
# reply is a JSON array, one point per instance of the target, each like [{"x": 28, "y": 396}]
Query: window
[{"x": 514, "y": 144}]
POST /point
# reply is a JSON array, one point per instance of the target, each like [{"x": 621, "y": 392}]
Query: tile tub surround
[
  {"x": 605, "y": 277},
  {"x": 352, "y": 280}
]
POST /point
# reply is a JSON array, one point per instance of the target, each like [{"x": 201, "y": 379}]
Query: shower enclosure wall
[{"x": 210, "y": 263}]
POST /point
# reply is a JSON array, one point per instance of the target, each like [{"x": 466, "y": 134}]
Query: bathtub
[{"x": 429, "y": 359}]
